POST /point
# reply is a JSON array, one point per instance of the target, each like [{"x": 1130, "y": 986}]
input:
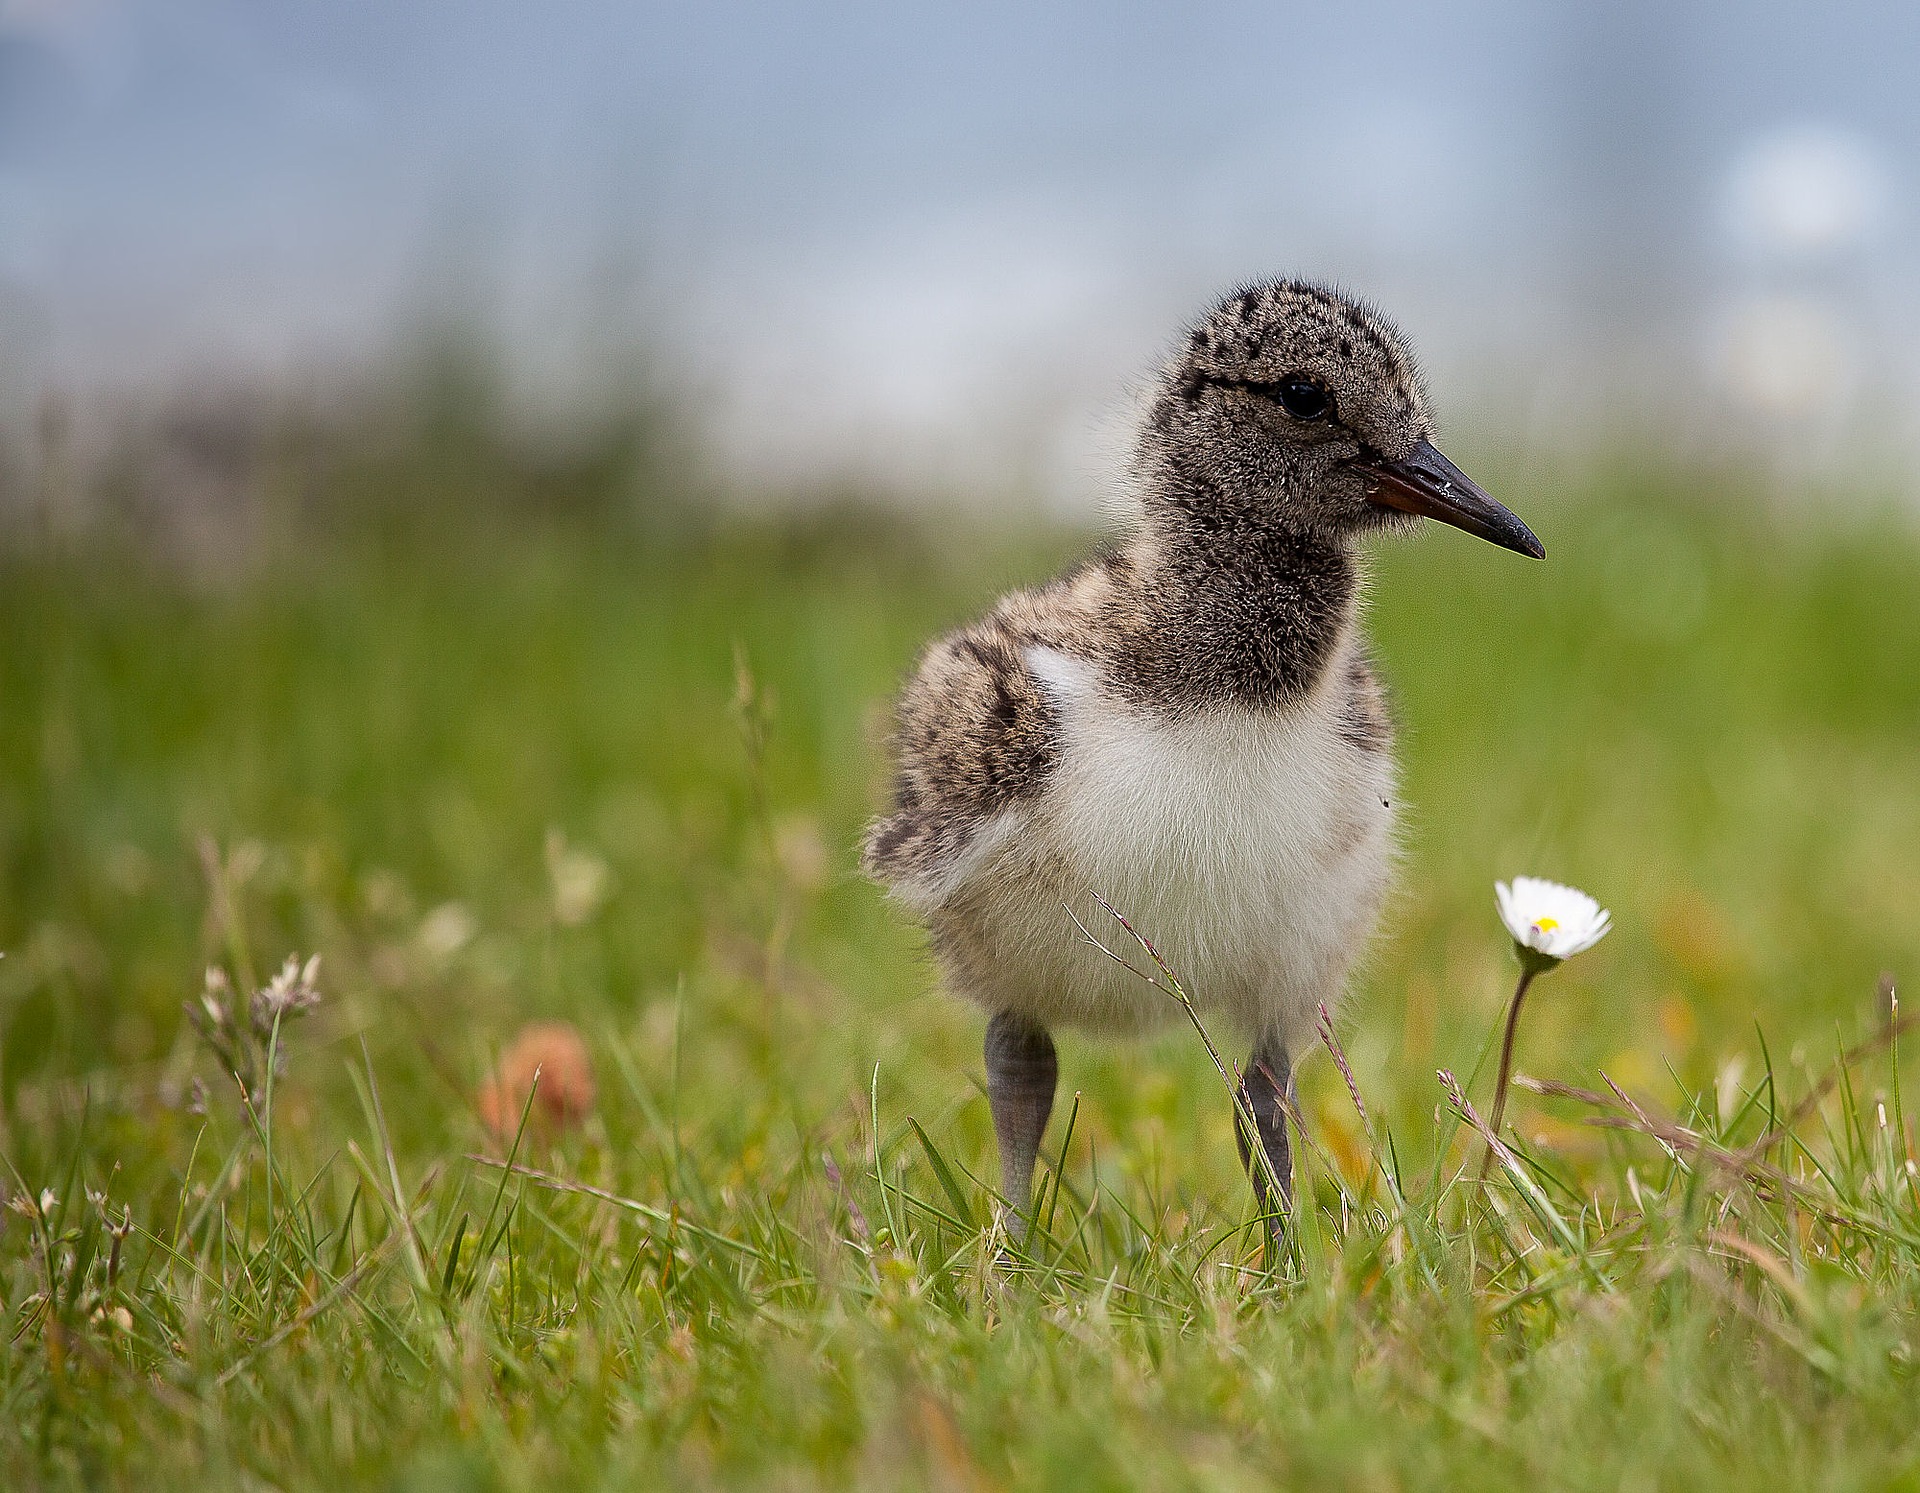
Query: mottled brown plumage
[{"x": 1188, "y": 724}]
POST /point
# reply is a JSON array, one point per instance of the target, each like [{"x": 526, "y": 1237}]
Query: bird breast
[{"x": 1251, "y": 845}]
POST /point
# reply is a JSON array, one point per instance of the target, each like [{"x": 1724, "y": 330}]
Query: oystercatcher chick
[{"x": 1187, "y": 725}]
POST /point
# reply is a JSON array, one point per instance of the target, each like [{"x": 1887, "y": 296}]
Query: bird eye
[{"x": 1302, "y": 397}]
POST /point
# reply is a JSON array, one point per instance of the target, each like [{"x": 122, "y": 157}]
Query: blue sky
[{"x": 922, "y": 240}]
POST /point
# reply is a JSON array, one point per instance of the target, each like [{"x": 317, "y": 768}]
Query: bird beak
[{"x": 1425, "y": 483}]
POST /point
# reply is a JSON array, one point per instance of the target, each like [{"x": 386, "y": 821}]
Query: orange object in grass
[{"x": 565, "y": 1093}]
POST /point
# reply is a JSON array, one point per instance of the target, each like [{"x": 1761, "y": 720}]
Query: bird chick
[{"x": 1186, "y": 725}]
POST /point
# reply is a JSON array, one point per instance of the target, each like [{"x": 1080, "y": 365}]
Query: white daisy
[{"x": 1549, "y": 922}]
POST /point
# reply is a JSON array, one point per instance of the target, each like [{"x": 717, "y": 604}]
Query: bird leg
[
  {"x": 1021, "y": 1072},
  {"x": 1266, "y": 1089}
]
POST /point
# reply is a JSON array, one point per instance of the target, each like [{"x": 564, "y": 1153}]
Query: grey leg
[
  {"x": 1267, "y": 1089},
  {"x": 1021, "y": 1072}
]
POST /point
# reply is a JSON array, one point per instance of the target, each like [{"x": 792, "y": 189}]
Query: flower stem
[{"x": 1506, "y": 1061}]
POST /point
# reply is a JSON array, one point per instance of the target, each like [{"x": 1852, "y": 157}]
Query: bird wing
[
  {"x": 976, "y": 742},
  {"x": 1366, "y": 712}
]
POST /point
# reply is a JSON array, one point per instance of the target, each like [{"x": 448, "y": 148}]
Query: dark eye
[{"x": 1302, "y": 397}]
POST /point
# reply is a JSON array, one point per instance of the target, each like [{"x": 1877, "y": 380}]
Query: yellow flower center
[{"x": 1545, "y": 925}]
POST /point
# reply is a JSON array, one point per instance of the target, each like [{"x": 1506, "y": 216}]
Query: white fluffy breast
[{"x": 1251, "y": 846}]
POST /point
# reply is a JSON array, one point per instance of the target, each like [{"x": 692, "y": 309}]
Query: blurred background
[
  {"x": 472, "y": 475},
  {"x": 925, "y": 250}
]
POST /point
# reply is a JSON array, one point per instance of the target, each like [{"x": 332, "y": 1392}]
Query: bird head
[{"x": 1292, "y": 404}]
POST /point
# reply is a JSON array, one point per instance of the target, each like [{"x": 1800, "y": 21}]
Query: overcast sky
[{"x": 885, "y": 238}]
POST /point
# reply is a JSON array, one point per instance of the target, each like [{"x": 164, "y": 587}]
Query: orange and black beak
[{"x": 1425, "y": 483}]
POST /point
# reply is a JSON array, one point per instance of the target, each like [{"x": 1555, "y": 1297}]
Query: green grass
[{"x": 1708, "y": 718}]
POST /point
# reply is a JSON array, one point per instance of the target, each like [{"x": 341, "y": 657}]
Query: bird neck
[{"x": 1231, "y": 605}]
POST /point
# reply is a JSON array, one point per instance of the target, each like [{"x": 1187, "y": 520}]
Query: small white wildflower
[
  {"x": 48, "y": 1197},
  {"x": 1549, "y": 922}
]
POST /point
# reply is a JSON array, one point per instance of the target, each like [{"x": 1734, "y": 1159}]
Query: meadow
[{"x": 504, "y": 739}]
